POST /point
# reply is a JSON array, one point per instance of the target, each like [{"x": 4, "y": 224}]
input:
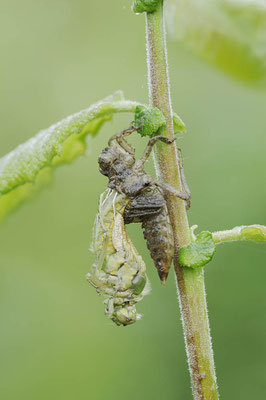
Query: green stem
[
  {"x": 254, "y": 233},
  {"x": 190, "y": 282}
]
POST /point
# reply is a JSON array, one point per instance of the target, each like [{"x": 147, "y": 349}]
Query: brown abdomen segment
[{"x": 160, "y": 241}]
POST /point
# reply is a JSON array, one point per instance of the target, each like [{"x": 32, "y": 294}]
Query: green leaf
[
  {"x": 230, "y": 34},
  {"x": 150, "y": 119},
  {"x": 179, "y": 126},
  {"x": 28, "y": 167},
  {"x": 198, "y": 253},
  {"x": 255, "y": 233}
]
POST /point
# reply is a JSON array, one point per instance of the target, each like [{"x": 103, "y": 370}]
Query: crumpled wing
[{"x": 145, "y": 204}]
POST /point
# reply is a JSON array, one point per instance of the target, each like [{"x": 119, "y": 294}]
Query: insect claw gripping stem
[
  {"x": 140, "y": 164},
  {"x": 183, "y": 178},
  {"x": 184, "y": 194},
  {"x": 179, "y": 193}
]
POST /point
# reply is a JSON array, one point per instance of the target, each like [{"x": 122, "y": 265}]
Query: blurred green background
[{"x": 58, "y": 57}]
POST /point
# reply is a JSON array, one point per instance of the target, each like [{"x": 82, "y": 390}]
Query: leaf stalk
[{"x": 253, "y": 233}]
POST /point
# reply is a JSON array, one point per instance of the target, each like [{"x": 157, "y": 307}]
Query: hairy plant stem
[
  {"x": 190, "y": 282},
  {"x": 253, "y": 233}
]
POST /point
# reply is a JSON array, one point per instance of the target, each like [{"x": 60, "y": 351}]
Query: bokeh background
[{"x": 58, "y": 57}]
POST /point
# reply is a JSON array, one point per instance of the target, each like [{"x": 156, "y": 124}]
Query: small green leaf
[
  {"x": 150, "y": 119},
  {"x": 230, "y": 34},
  {"x": 140, "y": 6},
  {"x": 179, "y": 126},
  {"x": 61, "y": 143},
  {"x": 198, "y": 253},
  {"x": 255, "y": 233}
]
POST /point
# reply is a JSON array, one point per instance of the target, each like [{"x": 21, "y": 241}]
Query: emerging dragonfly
[
  {"x": 133, "y": 196},
  {"x": 145, "y": 195}
]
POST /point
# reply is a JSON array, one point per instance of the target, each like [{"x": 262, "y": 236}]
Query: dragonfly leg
[
  {"x": 140, "y": 163},
  {"x": 120, "y": 138}
]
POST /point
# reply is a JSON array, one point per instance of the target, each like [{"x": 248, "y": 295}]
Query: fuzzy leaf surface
[
  {"x": 28, "y": 166},
  {"x": 151, "y": 119},
  {"x": 198, "y": 253},
  {"x": 230, "y": 34}
]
